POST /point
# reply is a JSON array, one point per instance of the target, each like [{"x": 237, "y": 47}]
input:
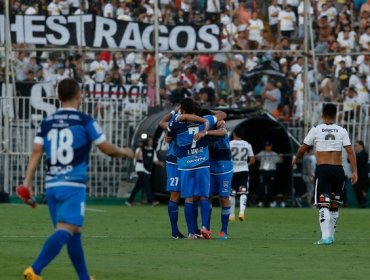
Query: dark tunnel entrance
[{"x": 258, "y": 127}]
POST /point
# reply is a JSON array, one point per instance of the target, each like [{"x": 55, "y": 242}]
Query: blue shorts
[
  {"x": 221, "y": 184},
  {"x": 67, "y": 205},
  {"x": 195, "y": 182},
  {"x": 173, "y": 178}
]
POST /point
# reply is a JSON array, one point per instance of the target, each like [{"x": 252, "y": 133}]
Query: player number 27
[
  {"x": 61, "y": 146},
  {"x": 174, "y": 181}
]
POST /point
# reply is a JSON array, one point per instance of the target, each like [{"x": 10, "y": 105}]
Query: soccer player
[
  {"x": 221, "y": 169},
  {"x": 66, "y": 137},
  {"x": 172, "y": 172},
  {"x": 242, "y": 157},
  {"x": 328, "y": 139},
  {"x": 193, "y": 163}
]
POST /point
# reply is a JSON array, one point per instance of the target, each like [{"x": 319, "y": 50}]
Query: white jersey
[
  {"x": 327, "y": 138},
  {"x": 241, "y": 150}
]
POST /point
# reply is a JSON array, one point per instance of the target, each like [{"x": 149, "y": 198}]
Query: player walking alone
[
  {"x": 328, "y": 139},
  {"x": 66, "y": 138}
]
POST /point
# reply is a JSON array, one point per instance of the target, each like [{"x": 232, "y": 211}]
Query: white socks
[
  {"x": 334, "y": 216},
  {"x": 243, "y": 203},
  {"x": 232, "y": 206},
  {"x": 324, "y": 220}
]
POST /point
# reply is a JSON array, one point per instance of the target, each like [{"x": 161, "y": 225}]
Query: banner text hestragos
[{"x": 100, "y": 32}]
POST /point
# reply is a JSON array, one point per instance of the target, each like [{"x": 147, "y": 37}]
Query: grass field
[{"x": 133, "y": 243}]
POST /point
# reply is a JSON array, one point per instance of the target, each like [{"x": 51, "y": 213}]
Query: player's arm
[
  {"x": 301, "y": 151},
  {"x": 113, "y": 151},
  {"x": 33, "y": 163},
  {"x": 251, "y": 160},
  {"x": 219, "y": 115},
  {"x": 352, "y": 160},
  {"x": 165, "y": 120},
  {"x": 220, "y": 132},
  {"x": 193, "y": 118}
]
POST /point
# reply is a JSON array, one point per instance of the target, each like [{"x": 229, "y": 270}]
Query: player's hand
[
  {"x": 221, "y": 124},
  {"x": 168, "y": 139},
  {"x": 206, "y": 125},
  {"x": 354, "y": 178},
  {"x": 127, "y": 152},
  {"x": 200, "y": 135},
  {"x": 294, "y": 163},
  {"x": 24, "y": 192}
]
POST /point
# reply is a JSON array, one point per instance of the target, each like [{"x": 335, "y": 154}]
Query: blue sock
[
  {"x": 225, "y": 214},
  {"x": 77, "y": 257},
  {"x": 189, "y": 216},
  {"x": 51, "y": 249},
  {"x": 195, "y": 216},
  {"x": 209, "y": 219},
  {"x": 173, "y": 213},
  {"x": 204, "y": 211}
]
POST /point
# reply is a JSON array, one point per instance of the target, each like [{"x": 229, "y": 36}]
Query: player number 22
[{"x": 61, "y": 146}]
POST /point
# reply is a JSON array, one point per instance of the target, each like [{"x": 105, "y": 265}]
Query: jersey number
[
  {"x": 61, "y": 146},
  {"x": 174, "y": 181},
  {"x": 239, "y": 154},
  {"x": 193, "y": 130}
]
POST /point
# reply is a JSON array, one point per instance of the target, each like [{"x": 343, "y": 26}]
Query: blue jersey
[
  {"x": 171, "y": 152},
  {"x": 220, "y": 154},
  {"x": 67, "y": 136},
  {"x": 191, "y": 154}
]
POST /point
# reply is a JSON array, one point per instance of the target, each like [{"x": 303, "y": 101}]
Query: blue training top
[
  {"x": 191, "y": 154},
  {"x": 67, "y": 136}
]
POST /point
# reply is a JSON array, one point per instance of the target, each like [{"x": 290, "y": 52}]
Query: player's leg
[
  {"x": 137, "y": 187},
  {"x": 173, "y": 186},
  {"x": 243, "y": 192},
  {"x": 336, "y": 197},
  {"x": 224, "y": 193},
  {"x": 187, "y": 192},
  {"x": 63, "y": 232},
  {"x": 202, "y": 188},
  {"x": 214, "y": 186},
  {"x": 322, "y": 200},
  {"x": 234, "y": 187}
]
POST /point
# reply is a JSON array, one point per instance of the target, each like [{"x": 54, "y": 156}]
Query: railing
[{"x": 19, "y": 119}]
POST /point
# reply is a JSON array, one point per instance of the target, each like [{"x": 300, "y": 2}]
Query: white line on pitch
[{"x": 95, "y": 210}]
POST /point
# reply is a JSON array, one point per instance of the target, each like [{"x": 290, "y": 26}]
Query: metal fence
[{"x": 19, "y": 119}]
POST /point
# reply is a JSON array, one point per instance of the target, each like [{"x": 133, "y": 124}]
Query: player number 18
[{"x": 61, "y": 146}]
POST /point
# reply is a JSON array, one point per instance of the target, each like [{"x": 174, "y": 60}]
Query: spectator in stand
[
  {"x": 287, "y": 21},
  {"x": 362, "y": 90},
  {"x": 108, "y": 10},
  {"x": 301, "y": 17},
  {"x": 365, "y": 8},
  {"x": 343, "y": 76},
  {"x": 54, "y": 8},
  {"x": 81, "y": 10},
  {"x": 255, "y": 28},
  {"x": 349, "y": 103},
  {"x": 273, "y": 14},
  {"x": 179, "y": 93},
  {"x": 271, "y": 96},
  {"x": 365, "y": 39},
  {"x": 324, "y": 30},
  {"x": 219, "y": 63},
  {"x": 98, "y": 68},
  {"x": 327, "y": 93},
  {"x": 172, "y": 79}
]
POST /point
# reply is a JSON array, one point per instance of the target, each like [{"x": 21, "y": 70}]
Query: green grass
[{"x": 133, "y": 243}]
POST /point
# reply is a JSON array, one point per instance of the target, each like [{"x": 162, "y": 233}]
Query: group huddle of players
[{"x": 201, "y": 163}]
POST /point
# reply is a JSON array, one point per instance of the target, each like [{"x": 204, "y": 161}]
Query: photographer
[{"x": 145, "y": 157}]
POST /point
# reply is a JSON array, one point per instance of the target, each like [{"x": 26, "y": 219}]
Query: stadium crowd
[{"x": 339, "y": 72}]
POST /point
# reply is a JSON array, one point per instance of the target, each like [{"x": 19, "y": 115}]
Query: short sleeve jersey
[
  {"x": 327, "y": 138},
  {"x": 241, "y": 150},
  {"x": 219, "y": 154},
  {"x": 191, "y": 154},
  {"x": 67, "y": 136}
]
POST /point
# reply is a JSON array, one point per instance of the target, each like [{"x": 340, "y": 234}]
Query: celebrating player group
[{"x": 199, "y": 165}]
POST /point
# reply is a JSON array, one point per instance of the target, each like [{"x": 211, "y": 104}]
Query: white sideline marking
[{"x": 95, "y": 210}]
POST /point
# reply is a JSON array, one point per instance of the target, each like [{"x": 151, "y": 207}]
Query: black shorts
[
  {"x": 240, "y": 179},
  {"x": 329, "y": 184}
]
